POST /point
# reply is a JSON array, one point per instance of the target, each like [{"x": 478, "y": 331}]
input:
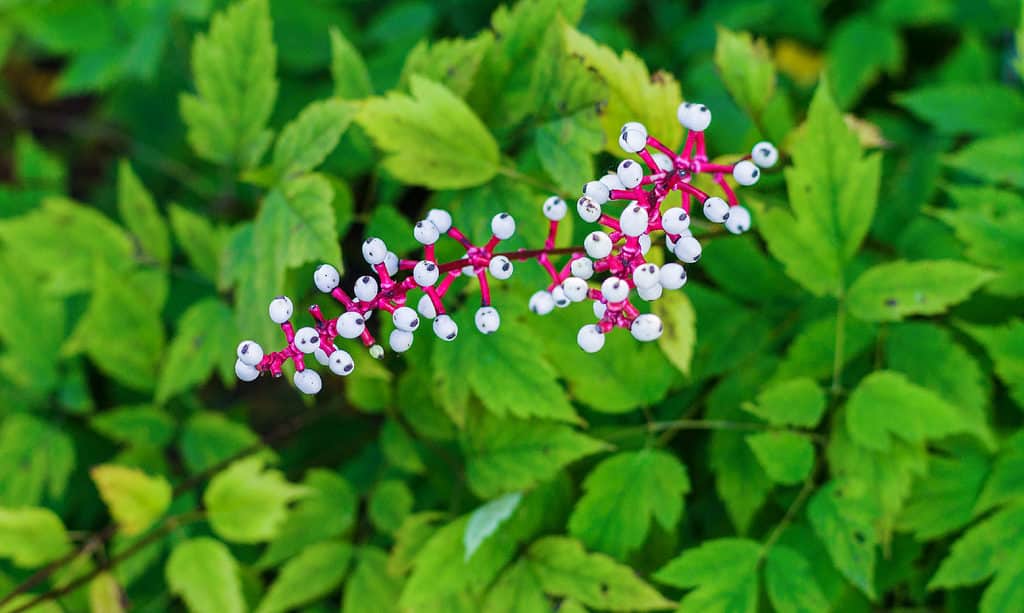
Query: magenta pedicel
[{"x": 617, "y": 252}]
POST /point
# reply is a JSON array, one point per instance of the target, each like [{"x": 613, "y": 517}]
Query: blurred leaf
[
  {"x": 566, "y": 148},
  {"x": 811, "y": 352},
  {"x": 517, "y": 590},
  {"x": 29, "y": 319},
  {"x": 431, "y": 138},
  {"x": 843, "y": 522},
  {"x": 351, "y": 79},
  {"x": 205, "y": 575},
  {"x": 312, "y": 574},
  {"x": 746, "y": 68},
  {"x": 891, "y": 291},
  {"x": 452, "y": 62},
  {"x": 209, "y": 439},
  {"x": 36, "y": 460},
  {"x": 994, "y": 159},
  {"x": 790, "y": 583},
  {"x": 141, "y": 424},
  {"x": 307, "y": 140},
  {"x": 205, "y": 334},
  {"x": 859, "y": 52},
  {"x": 141, "y": 215},
  {"x": 488, "y": 518},
  {"x": 202, "y": 241},
  {"x": 623, "y": 494},
  {"x": 634, "y": 93},
  {"x": 974, "y": 108},
  {"x": 327, "y": 511},
  {"x": 943, "y": 501},
  {"x": 371, "y": 588},
  {"x": 31, "y": 537},
  {"x": 724, "y": 571},
  {"x": 106, "y": 595},
  {"x": 135, "y": 500},
  {"x": 247, "y": 503},
  {"x": 390, "y": 502},
  {"x": 794, "y": 402},
  {"x": 786, "y": 457},
  {"x": 680, "y": 335},
  {"x": 950, "y": 370},
  {"x": 36, "y": 167},
  {"x": 1005, "y": 483},
  {"x": 833, "y": 191},
  {"x": 565, "y": 569},
  {"x": 993, "y": 233},
  {"x": 1005, "y": 346},
  {"x": 400, "y": 449},
  {"x": 233, "y": 67},
  {"x": 761, "y": 280},
  {"x": 505, "y": 454}
]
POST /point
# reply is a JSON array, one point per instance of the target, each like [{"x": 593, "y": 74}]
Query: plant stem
[
  {"x": 791, "y": 512},
  {"x": 837, "y": 360}
]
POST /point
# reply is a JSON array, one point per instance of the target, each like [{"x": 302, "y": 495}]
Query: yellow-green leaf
[
  {"x": 31, "y": 537},
  {"x": 205, "y": 575},
  {"x": 247, "y": 503},
  {"x": 680, "y": 334},
  {"x": 746, "y": 68},
  {"x": 891, "y": 291},
  {"x": 135, "y": 500},
  {"x": 141, "y": 215}
]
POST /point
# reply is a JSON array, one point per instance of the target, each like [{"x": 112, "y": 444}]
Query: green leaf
[
  {"x": 972, "y": 108},
  {"x": 28, "y": 319},
  {"x": 994, "y": 159},
  {"x": 891, "y": 291},
  {"x": 886, "y": 406},
  {"x": 623, "y": 494},
  {"x": 121, "y": 302},
  {"x": 1005, "y": 346},
  {"x": 813, "y": 349},
  {"x": 200, "y": 239},
  {"x": 987, "y": 548},
  {"x": 786, "y": 457},
  {"x": 565, "y": 569},
  {"x": 400, "y": 449},
  {"x": 135, "y": 500},
  {"x": 1006, "y": 481},
  {"x": 634, "y": 93},
  {"x": 141, "y": 215},
  {"x": 307, "y": 140},
  {"x": 431, "y": 138},
  {"x": 992, "y": 228},
  {"x": 488, "y": 518},
  {"x": 506, "y": 455},
  {"x": 206, "y": 333},
  {"x": 793, "y": 402},
  {"x": 680, "y": 334},
  {"x": 36, "y": 460},
  {"x": 135, "y": 424},
  {"x": 790, "y": 582},
  {"x": 311, "y": 575},
  {"x": 724, "y": 571},
  {"x": 205, "y": 575},
  {"x": 31, "y": 537},
  {"x": 390, "y": 503},
  {"x": 746, "y": 68},
  {"x": 452, "y": 62},
  {"x": 943, "y": 501},
  {"x": 843, "y": 521},
  {"x": 566, "y": 148},
  {"x": 950, "y": 370},
  {"x": 351, "y": 79},
  {"x": 833, "y": 190},
  {"x": 517, "y": 590},
  {"x": 233, "y": 68},
  {"x": 105, "y": 595},
  {"x": 860, "y": 50},
  {"x": 327, "y": 511},
  {"x": 248, "y": 504},
  {"x": 371, "y": 588},
  {"x": 210, "y": 438}
]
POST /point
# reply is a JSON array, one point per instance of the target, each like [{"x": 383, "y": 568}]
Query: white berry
[
  {"x": 405, "y": 319},
  {"x": 558, "y": 295},
  {"x": 582, "y": 267},
  {"x": 245, "y": 372},
  {"x": 646, "y": 327},
  {"x": 487, "y": 319},
  {"x": 555, "y": 208},
  {"x": 645, "y": 243},
  {"x": 614, "y": 289},
  {"x": 374, "y": 251},
  {"x": 250, "y": 353},
  {"x": 391, "y": 262},
  {"x": 308, "y": 381},
  {"x": 321, "y": 356},
  {"x": 400, "y": 340},
  {"x": 425, "y": 273},
  {"x": 598, "y": 245},
  {"x": 280, "y": 309},
  {"x": 600, "y": 309},
  {"x": 633, "y": 221},
  {"x": 645, "y": 275},
  {"x": 633, "y": 137},
  {"x": 542, "y": 302},
  {"x": 630, "y": 173},
  {"x": 442, "y": 220},
  {"x": 340, "y": 362},
  {"x": 716, "y": 209},
  {"x": 351, "y": 324},
  {"x": 503, "y": 226},
  {"x": 764, "y": 154},
  {"x": 307, "y": 339},
  {"x": 425, "y": 307},
  {"x": 376, "y": 352},
  {"x": 612, "y": 181},
  {"x": 739, "y": 220},
  {"x": 366, "y": 288},
  {"x": 596, "y": 191},
  {"x": 589, "y": 210},
  {"x": 590, "y": 338},
  {"x": 445, "y": 328},
  {"x": 663, "y": 161},
  {"x": 652, "y": 293},
  {"x": 326, "y": 278},
  {"x": 426, "y": 232},
  {"x": 746, "y": 173},
  {"x": 675, "y": 220},
  {"x": 694, "y": 116},
  {"x": 500, "y": 267},
  {"x": 575, "y": 289},
  {"x": 672, "y": 276},
  {"x": 688, "y": 249}
]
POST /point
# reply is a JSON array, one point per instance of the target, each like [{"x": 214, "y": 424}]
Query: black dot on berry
[
  {"x": 451, "y": 336},
  {"x": 724, "y": 217},
  {"x": 688, "y": 104},
  {"x": 431, "y": 267},
  {"x": 245, "y": 349},
  {"x": 348, "y": 368},
  {"x": 703, "y": 109},
  {"x": 506, "y": 266},
  {"x": 627, "y": 164},
  {"x": 359, "y": 321},
  {"x": 765, "y": 151},
  {"x": 753, "y": 173},
  {"x": 503, "y": 215}
]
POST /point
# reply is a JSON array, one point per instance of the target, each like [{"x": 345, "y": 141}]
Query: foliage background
[{"x": 831, "y": 422}]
